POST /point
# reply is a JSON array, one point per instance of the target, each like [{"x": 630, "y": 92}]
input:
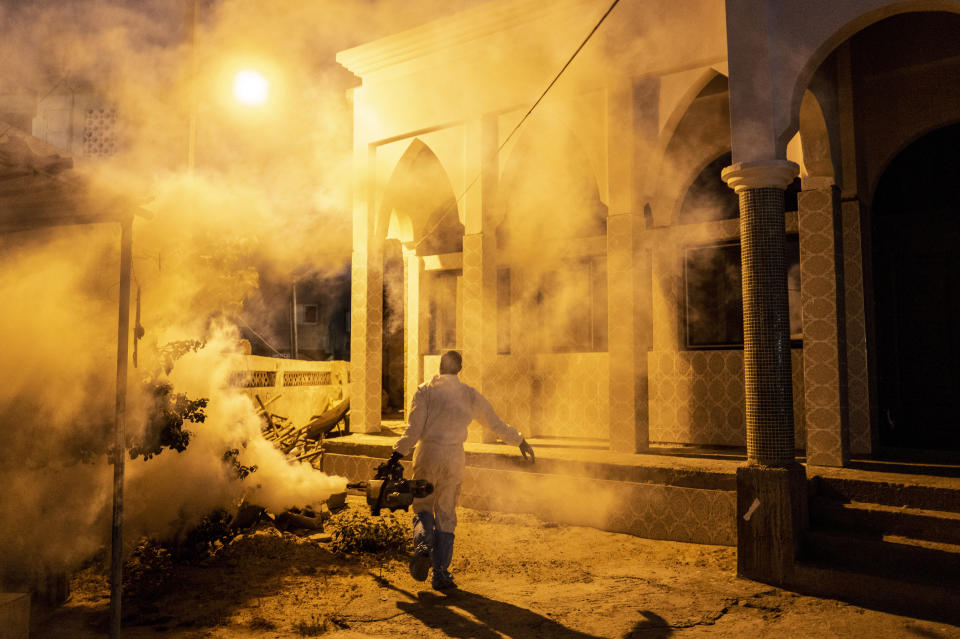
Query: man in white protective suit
[{"x": 442, "y": 409}]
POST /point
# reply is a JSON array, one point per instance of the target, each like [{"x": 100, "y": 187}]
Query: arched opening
[
  {"x": 916, "y": 269},
  {"x": 696, "y": 281},
  {"x": 891, "y": 81},
  {"x": 708, "y": 198},
  {"x": 712, "y": 307},
  {"x": 701, "y": 136},
  {"x": 443, "y": 232},
  {"x": 547, "y": 241},
  {"x": 552, "y": 365},
  {"x": 549, "y": 193},
  {"x": 420, "y": 213},
  {"x": 419, "y": 204}
]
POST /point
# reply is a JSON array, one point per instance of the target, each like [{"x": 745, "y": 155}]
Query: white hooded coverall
[{"x": 442, "y": 409}]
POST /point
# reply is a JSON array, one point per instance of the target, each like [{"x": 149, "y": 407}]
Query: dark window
[
  {"x": 573, "y": 305},
  {"x": 310, "y": 314},
  {"x": 503, "y": 310},
  {"x": 442, "y": 295},
  {"x": 713, "y": 312}
]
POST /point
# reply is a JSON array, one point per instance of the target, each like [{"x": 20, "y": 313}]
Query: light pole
[{"x": 294, "y": 337}]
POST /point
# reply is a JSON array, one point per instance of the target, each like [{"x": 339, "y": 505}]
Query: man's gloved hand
[
  {"x": 527, "y": 449},
  {"x": 394, "y": 460}
]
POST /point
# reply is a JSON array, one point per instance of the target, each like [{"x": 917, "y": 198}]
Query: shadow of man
[
  {"x": 488, "y": 618},
  {"x": 652, "y": 626}
]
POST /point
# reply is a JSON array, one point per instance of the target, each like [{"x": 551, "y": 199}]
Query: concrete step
[
  {"x": 879, "y": 519},
  {"x": 712, "y": 474},
  {"x": 910, "y": 491},
  {"x": 888, "y": 556},
  {"x": 924, "y": 600}
]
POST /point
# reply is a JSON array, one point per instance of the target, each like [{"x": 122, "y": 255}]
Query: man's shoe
[
  {"x": 443, "y": 582},
  {"x": 420, "y": 565}
]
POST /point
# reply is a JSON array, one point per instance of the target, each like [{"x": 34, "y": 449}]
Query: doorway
[
  {"x": 393, "y": 319},
  {"x": 916, "y": 271}
]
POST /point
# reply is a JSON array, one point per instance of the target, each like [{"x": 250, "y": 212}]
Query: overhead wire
[
  {"x": 516, "y": 128},
  {"x": 258, "y": 336}
]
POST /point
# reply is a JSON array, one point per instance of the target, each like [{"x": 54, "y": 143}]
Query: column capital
[
  {"x": 760, "y": 174},
  {"x": 817, "y": 183}
]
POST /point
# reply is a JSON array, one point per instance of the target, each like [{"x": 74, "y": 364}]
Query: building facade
[{"x": 705, "y": 234}]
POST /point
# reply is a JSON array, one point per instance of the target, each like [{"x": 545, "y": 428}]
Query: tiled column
[
  {"x": 413, "y": 374},
  {"x": 771, "y": 486},
  {"x": 366, "y": 294},
  {"x": 858, "y": 397},
  {"x": 479, "y": 260},
  {"x": 766, "y": 319},
  {"x": 631, "y": 122},
  {"x": 366, "y": 337},
  {"x": 629, "y": 426},
  {"x": 824, "y": 352},
  {"x": 473, "y": 310}
]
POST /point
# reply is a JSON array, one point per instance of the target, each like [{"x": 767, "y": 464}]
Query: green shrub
[
  {"x": 202, "y": 540},
  {"x": 148, "y": 570},
  {"x": 356, "y": 531},
  {"x": 165, "y": 420}
]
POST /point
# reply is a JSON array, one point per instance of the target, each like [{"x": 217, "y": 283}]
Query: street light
[{"x": 249, "y": 87}]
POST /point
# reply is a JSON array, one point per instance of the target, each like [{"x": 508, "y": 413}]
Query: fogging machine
[{"x": 388, "y": 489}]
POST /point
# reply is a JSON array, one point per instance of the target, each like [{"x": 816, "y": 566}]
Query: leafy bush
[
  {"x": 232, "y": 459},
  {"x": 148, "y": 570},
  {"x": 164, "y": 428},
  {"x": 355, "y": 531},
  {"x": 203, "y": 539},
  {"x": 172, "y": 351}
]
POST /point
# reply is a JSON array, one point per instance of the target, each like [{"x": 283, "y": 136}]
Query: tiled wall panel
[
  {"x": 559, "y": 395},
  {"x": 697, "y": 397},
  {"x": 858, "y": 398},
  {"x": 825, "y": 365}
]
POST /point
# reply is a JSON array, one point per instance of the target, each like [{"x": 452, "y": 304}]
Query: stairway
[{"x": 897, "y": 536}]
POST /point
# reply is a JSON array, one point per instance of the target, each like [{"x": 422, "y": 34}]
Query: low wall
[
  {"x": 295, "y": 389},
  {"x": 669, "y": 498}
]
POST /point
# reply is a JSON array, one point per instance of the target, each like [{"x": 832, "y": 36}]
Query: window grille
[{"x": 100, "y": 132}]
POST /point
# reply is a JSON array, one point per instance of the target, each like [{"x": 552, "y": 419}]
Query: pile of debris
[
  {"x": 305, "y": 442},
  {"x": 304, "y": 521},
  {"x": 298, "y": 443}
]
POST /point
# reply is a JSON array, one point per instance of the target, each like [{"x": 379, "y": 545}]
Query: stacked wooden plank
[{"x": 298, "y": 443}]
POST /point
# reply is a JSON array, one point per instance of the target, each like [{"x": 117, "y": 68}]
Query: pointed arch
[
  {"x": 700, "y": 137},
  {"x": 830, "y": 42},
  {"x": 548, "y": 189},
  {"x": 420, "y": 206},
  {"x": 706, "y": 82}
]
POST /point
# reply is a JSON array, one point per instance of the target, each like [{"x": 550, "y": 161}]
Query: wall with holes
[{"x": 291, "y": 389}]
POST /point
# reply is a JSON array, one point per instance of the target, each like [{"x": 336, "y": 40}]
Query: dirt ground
[{"x": 519, "y": 577}]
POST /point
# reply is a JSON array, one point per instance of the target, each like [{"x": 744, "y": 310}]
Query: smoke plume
[{"x": 229, "y": 192}]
